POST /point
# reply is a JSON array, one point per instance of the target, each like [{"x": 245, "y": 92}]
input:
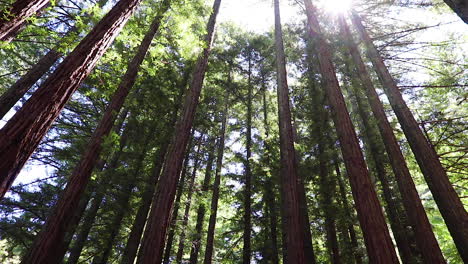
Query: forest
[{"x": 234, "y": 131}]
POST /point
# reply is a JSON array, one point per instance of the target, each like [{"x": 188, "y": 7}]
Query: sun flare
[{"x": 336, "y": 6}]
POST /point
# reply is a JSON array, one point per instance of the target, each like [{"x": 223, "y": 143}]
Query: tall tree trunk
[
  {"x": 24, "y": 131},
  {"x": 53, "y": 233},
  {"x": 246, "y": 250},
  {"x": 270, "y": 186},
  {"x": 425, "y": 239},
  {"x": 123, "y": 202},
  {"x": 347, "y": 209},
  {"x": 219, "y": 164},
  {"x": 133, "y": 241},
  {"x": 175, "y": 211},
  {"x": 460, "y": 7},
  {"x": 188, "y": 203},
  {"x": 12, "y": 19},
  {"x": 448, "y": 202},
  {"x": 292, "y": 218},
  {"x": 376, "y": 235},
  {"x": 196, "y": 241},
  {"x": 164, "y": 198},
  {"x": 17, "y": 90},
  {"x": 377, "y": 155}
]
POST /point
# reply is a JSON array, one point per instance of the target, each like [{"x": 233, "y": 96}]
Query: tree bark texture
[
  {"x": 292, "y": 219},
  {"x": 425, "y": 239},
  {"x": 376, "y": 235},
  {"x": 24, "y": 131},
  {"x": 164, "y": 198},
  {"x": 12, "y": 19},
  {"x": 447, "y": 200}
]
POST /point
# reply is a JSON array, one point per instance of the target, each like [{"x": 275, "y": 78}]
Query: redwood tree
[
  {"x": 12, "y": 18},
  {"x": 376, "y": 235},
  {"x": 448, "y": 202},
  {"x": 24, "y": 131},
  {"x": 160, "y": 214}
]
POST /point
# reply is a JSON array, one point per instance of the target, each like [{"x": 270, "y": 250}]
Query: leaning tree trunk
[
  {"x": 12, "y": 19},
  {"x": 460, "y": 7},
  {"x": 164, "y": 198},
  {"x": 24, "y": 131},
  {"x": 292, "y": 221},
  {"x": 425, "y": 239},
  {"x": 246, "y": 250},
  {"x": 448, "y": 202},
  {"x": 376, "y": 235},
  {"x": 17, "y": 90},
  {"x": 219, "y": 164}
]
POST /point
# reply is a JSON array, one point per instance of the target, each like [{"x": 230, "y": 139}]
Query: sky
[{"x": 257, "y": 16}]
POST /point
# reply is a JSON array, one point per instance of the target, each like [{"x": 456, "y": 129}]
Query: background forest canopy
[{"x": 226, "y": 200}]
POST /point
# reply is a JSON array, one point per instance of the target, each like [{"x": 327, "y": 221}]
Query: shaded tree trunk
[
  {"x": 448, "y": 202},
  {"x": 460, "y": 7},
  {"x": 19, "y": 89},
  {"x": 246, "y": 250},
  {"x": 196, "y": 241},
  {"x": 24, "y": 131},
  {"x": 293, "y": 220},
  {"x": 188, "y": 203},
  {"x": 425, "y": 239},
  {"x": 12, "y": 19},
  {"x": 347, "y": 209},
  {"x": 219, "y": 164},
  {"x": 160, "y": 214},
  {"x": 376, "y": 235}
]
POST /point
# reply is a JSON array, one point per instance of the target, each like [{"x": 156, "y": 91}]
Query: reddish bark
[
  {"x": 292, "y": 220},
  {"x": 164, "y": 198},
  {"x": 425, "y": 238},
  {"x": 23, "y": 132},
  {"x": 12, "y": 19},
  {"x": 376, "y": 235},
  {"x": 448, "y": 202}
]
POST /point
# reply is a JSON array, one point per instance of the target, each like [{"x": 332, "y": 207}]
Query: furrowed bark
[
  {"x": 293, "y": 220},
  {"x": 376, "y": 235},
  {"x": 12, "y": 19},
  {"x": 164, "y": 199},
  {"x": 425, "y": 239},
  {"x": 447, "y": 200},
  {"x": 24, "y": 131}
]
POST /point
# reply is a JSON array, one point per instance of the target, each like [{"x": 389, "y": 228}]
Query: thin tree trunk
[
  {"x": 425, "y": 239},
  {"x": 460, "y": 7},
  {"x": 24, "y": 131},
  {"x": 292, "y": 218},
  {"x": 164, "y": 199},
  {"x": 376, "y": 235},
  {"x": 188, "y": 203},
  {"x": 131, "y": 248},
  {"x": 219, "y": 164},
  {"x": 12, "y": 19},
  {"x": 347, "y": 209},
  {"x": 270, "y": 186},
  {"x": 196, "y": 241},
  {"x": 246, "y": 250},
  {"x": 448, "y": 202},
  {"x": 17, "y": 90}
]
